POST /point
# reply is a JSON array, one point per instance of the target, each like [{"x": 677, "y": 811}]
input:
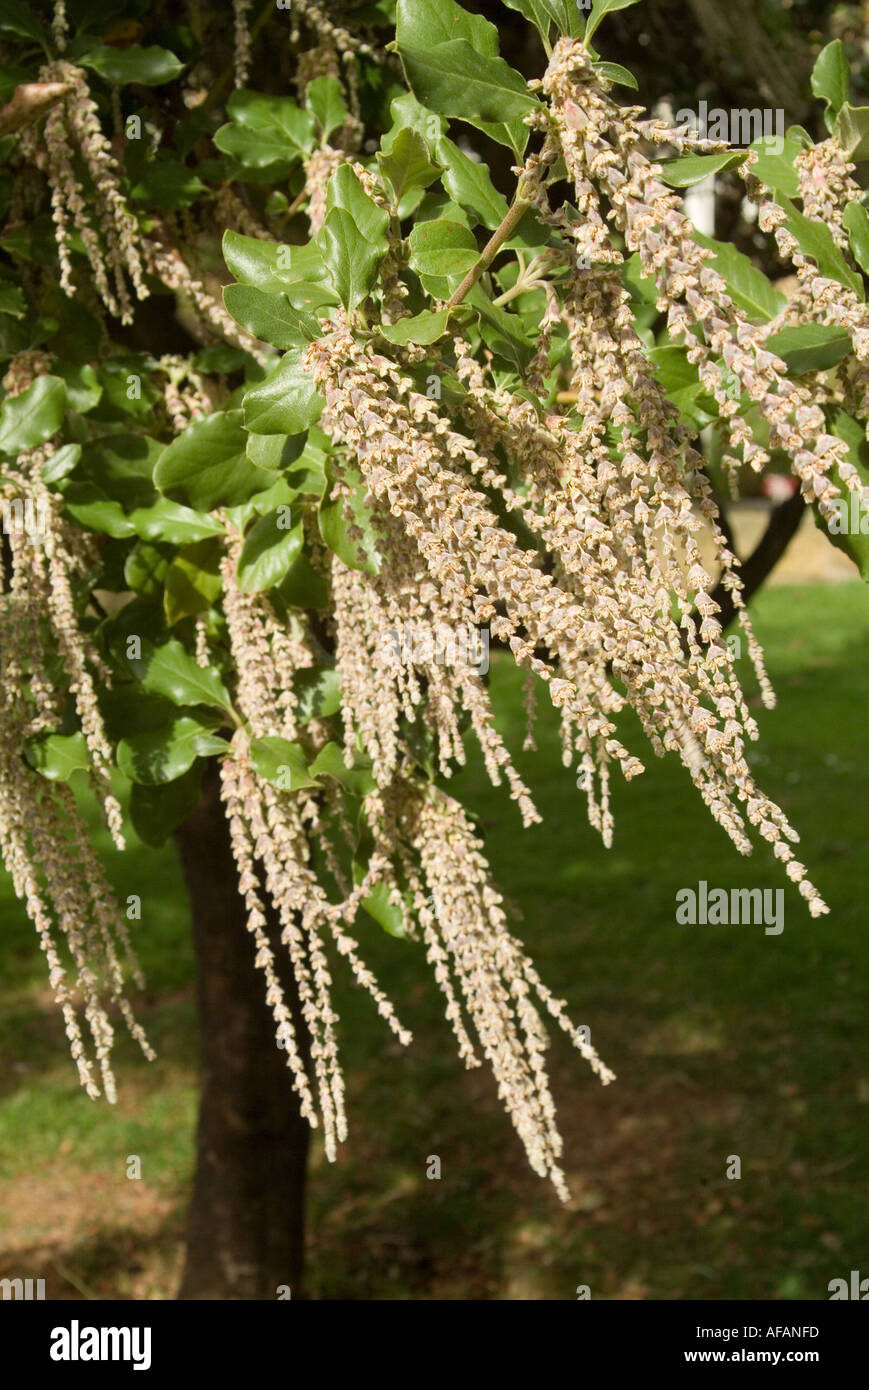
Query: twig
[{"x": 501, "y": 234}]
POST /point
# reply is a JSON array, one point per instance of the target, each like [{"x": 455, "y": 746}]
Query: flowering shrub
[{"x": 408, "y": 404}]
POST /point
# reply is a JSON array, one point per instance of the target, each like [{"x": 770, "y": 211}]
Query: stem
[{"x": 501, "y": 234}]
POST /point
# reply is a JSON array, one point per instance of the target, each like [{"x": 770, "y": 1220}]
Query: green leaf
[
  {"x": 58, "y": 756},
  {"x": 156, "y": 811},
  {"x": 318, "y": 689},
  {"x": 693, "y": 168},
  {"x": 163, "y": 754},
  {"x": 775, "y": 166},
  {"x": 852, "y": 131},
  {"x": 324, "y": 100},
  {"x": 281, "y": 762},
  {"x": 469, "y": 184},
  {"x": 270, "y": 317},
  {"x": 455, "y": 80},
  {"x": 810, "y": 347},
  {"x": 424, "y": 23},
  {"x": 275, "y": 452},
  {"x": 748, "y": 286},
  {"x": 345, "y": 191},
  {"x": 207, "y": 466},
  {"x": 171, "y": 671},
  {"x": 90, "y": 507},
  {"x": 170, "y": 522},
  {"x": 192, "y": 582},
  {"x": 287, "y": 402},
  {"x": 831, "y": 78},
  {"x": 146, "y": 567},
  {"x": 360, "y": 555},
  {"x": 407, "y": 165},
  {"x": 121, "y": 465},
  {"x": 424, "y": 328},
  {"x": 856, "y": 223},
  {"x": 378, "y": 905},
  {"x": 62, "y": 461},
  {"x": 34, "y": 416},
  {"x": 270, "y": 547},
  {"x": 614, "y": 72},
  {"x": 599, "y": 10},
  {"x": 83, "y": 389},
  {"x": 149, "y": 67},
  {"x": 564, "y": 14},
  {"x": 443, "y": 249},
  {"x": 350, "y": 259},
  {"x": 296, "y": 271},
  {"x": 816, "y": 240},
  {"x": 850, "y": 531},
  {"x": 265, "y": 130},
  {"x": 329, "y": 762}
]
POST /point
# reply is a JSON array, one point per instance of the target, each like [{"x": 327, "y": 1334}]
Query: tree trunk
[{"x": 245, "y": 1235}]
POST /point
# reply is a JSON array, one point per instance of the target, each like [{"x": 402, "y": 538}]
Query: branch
[{"x": 501, "y": 234}]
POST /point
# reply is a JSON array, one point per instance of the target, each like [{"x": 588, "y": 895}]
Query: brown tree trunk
[{"x": 246, "y": 1222}]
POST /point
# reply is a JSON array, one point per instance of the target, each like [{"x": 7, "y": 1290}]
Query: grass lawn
[{"x": 725, "y": 1041}]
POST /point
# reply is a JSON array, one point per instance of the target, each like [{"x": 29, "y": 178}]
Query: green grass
[{"x": 725, "y": 1041}]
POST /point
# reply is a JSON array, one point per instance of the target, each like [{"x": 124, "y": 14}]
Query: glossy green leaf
[
  {"x": 615, "y": 73},
  {"x": 270, "y": 317},
  {"x": 424, "y": 328},
  {"x": 564, "y": 14},
  {"x": 62, "y": 462},
  {"x": 145, "y": 568},
  {"x": 171, "y": 671},
  {"x": 350, "y": 258},
  {"x": 345, "y": 191},
  {"x": 281, "y": 762},
  {"x": 318, "y": 689},
  {"x": 265, "y": 130},
  {"x": 693, "y": 168},
  {"x": 207, "y": 466},
  {"x": 810, "y": 347},
  {"x": 329, "y": 762},
  {"x": 407, "y": 165},
  {"x": 163, "y": 754},
  {"x": 816, "y": 240},
  {"x": 33, "y": 416},
  {"x": 296, "y": 271},
  {"x": 457, "y": 81},
  {"x": 831, "y": 77},
  {"x": 149, "y": 67},
  {"x": 444, "y": 249},
  {"x": 173, "y": 523},
  {"x": 852, "y": 131},
  {"x": 855, "y": 220},
  {"x": 192, "y": 582},
  {"x": 287, "y": 402},
  {"x": 269, "y": 549},
  {"x": 58, "y": 756},
  {"x": 324, "y": 100},
  {"x": 774, "y": 166},
  {"x": 469, "y": 184}
]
